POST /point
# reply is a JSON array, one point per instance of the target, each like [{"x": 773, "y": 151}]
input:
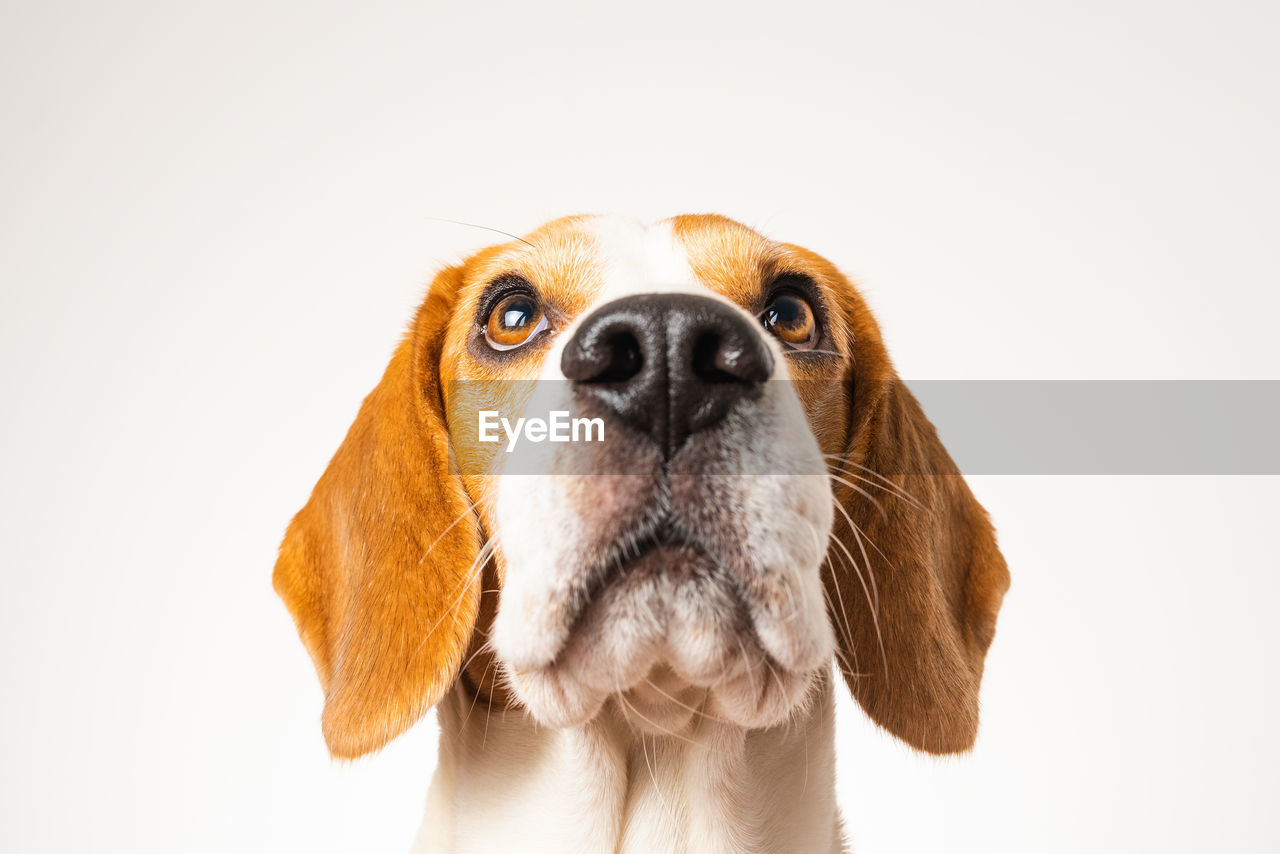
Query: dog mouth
[
  {"x": 666, "y": 621},
  {"x": 664, "y": 536},
  {"x": 662, "y": 532},
  {"x": 669, "y": 636}
]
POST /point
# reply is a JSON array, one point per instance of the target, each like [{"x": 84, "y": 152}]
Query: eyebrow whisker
[{"x": 485, "y": 227}]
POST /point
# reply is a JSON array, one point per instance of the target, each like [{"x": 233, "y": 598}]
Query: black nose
[{"x": 668, "y": 364}]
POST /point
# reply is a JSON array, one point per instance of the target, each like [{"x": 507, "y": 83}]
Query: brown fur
[
  {"x": 929, "y": 554},
  {"x": 376, "y": 567}
]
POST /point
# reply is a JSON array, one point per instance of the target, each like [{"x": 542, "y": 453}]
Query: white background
[{"x": 216, "y": 218}]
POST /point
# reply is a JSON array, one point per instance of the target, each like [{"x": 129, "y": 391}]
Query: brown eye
[
  {"x": 791, "y": 319},
  {"x": 513, "y": 321}
]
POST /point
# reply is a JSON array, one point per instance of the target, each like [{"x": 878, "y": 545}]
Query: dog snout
[{"x": 668, "y": 365}]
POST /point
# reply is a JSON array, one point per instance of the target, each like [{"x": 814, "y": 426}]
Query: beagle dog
[{"x": 628, "y": 631}]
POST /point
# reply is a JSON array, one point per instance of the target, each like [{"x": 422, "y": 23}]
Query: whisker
[
  {"x": 886, "y": 483},
  {"x": 500, "y": 677},
  {"x": 875, "y": 619},
  {"x": 484, "y": 647},
  {"x": 858, "y": 532},
  {"x": 843, "y": 622},
  {"x": 853, "y": 667},
  {"x": 459, "y": 590},
  {"x": 485, "y": 552},
  {"x": 464, "y": 514},
  {"x": 746, "y": 660},
  {"x": 485, "y": 227},
  {"x": 658, "y": 726},
  {"x": 476, "y": 698},
  {"x": 804, "y": 786},
  {"x": 863, "y": 493},
  {"x": 644, "y": 750},
  {"x": 772, "y": 672},
  {"x": 706, "y": 715},
  {"x": 865, "y": 560}
]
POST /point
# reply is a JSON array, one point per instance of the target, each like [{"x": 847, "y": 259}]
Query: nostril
[
  {"x": 713, "y": 362},
  {"x": 720, "y": 358},
  {"x": 623, "y": 359}
]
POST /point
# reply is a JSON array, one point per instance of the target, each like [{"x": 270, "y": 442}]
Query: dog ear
[
  {"x": 914, "y": 572},
  {"x": 378, "y": 569}
]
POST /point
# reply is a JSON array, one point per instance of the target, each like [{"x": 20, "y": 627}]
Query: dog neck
[{"x": 505, "y": 783}]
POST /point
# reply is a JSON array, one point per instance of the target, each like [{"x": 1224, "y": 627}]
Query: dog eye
[
  {"x": 790, "y": 318},
  {"x": 513, "y": 321}
]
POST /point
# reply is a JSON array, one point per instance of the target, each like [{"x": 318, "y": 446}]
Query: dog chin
[{"x": 672, "y": 641}]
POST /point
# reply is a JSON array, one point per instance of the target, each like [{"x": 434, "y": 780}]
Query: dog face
[
  {"x": 761, "y": 493},
  {"x": 677, "y": 560}
]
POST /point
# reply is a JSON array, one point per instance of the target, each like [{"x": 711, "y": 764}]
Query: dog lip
[{"x": 665, "y": 531}]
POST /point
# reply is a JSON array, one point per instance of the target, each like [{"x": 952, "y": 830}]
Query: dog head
[{"x": 745, "y": 489}]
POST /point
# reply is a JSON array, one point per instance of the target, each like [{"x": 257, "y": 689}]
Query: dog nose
[{"x": 669, "y": 365}]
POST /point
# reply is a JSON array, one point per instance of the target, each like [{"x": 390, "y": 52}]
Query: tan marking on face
[
  {"x": 738, "y": 262},
  {"x": 561, "y": 262}
]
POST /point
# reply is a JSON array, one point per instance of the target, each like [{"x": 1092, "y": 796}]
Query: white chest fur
[{"x": 506, "y": 784}]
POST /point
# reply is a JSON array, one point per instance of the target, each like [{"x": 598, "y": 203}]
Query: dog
[{"x": 629, "y": 638}]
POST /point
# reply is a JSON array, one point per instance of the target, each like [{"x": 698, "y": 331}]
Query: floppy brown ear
[
  {"x": 915, "y": 617},
  {"x": 377, "y": 569}
]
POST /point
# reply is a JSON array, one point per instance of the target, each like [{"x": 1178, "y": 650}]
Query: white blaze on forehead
[
  {"x": 640, "y": 259},
  {"x": 634, "y": 259}
]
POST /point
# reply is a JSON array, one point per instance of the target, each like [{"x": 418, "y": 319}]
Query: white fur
[
  {"x": 505, "y": 783},
  {"x": 734, "y": 758}
]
